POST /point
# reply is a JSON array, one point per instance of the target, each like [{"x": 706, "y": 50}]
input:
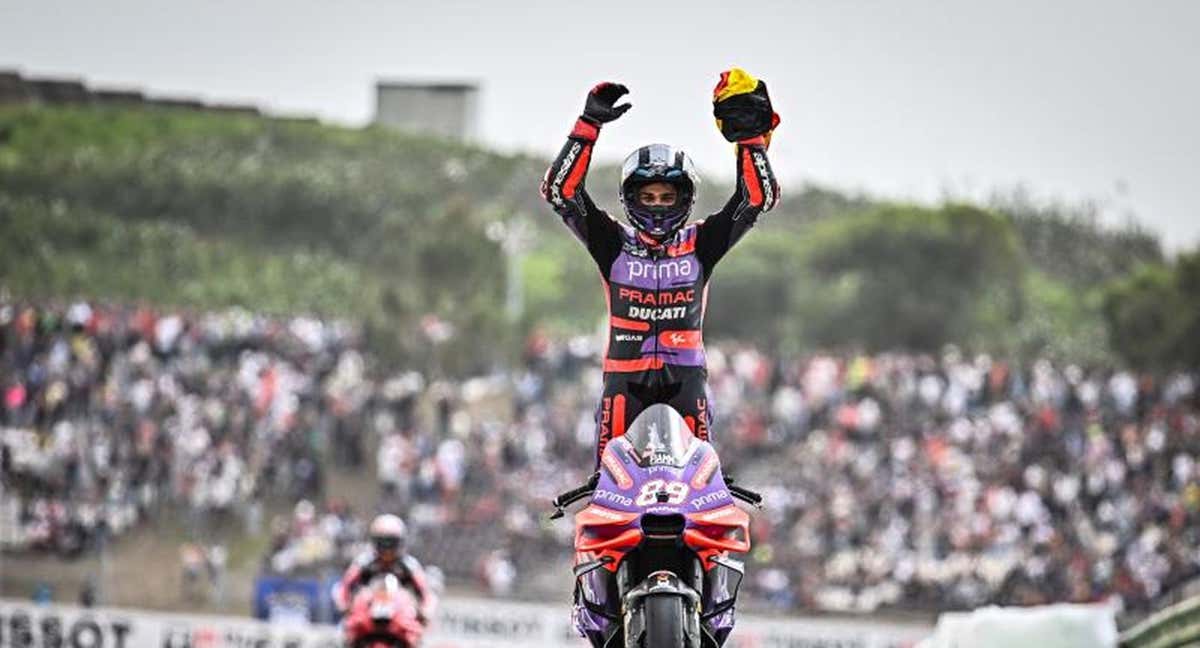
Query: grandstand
[{"x": 894, "y": 482}]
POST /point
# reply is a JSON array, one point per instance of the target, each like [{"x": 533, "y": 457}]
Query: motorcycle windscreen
[{"x": 660, "y": 436}]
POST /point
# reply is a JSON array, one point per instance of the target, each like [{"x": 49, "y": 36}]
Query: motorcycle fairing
[{"x": 696, "y": 490}]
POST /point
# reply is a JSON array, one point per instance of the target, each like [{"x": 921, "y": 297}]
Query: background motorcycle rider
[{"x": 387, "y": 555}]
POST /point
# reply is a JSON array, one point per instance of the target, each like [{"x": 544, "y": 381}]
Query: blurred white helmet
[{"x": 388, "y": 533}]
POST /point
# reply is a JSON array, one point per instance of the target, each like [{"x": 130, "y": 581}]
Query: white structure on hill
[{"x": 447, "y": 109}]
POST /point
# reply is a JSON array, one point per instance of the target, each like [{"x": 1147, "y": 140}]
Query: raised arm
[
  {"x": 755, "y": 191},
  {"x": 744, "y": 116},
  {"x": 563, "y": 185}
]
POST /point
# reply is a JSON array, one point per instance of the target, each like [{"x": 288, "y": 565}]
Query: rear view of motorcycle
[{"x": 652, "y": 548}]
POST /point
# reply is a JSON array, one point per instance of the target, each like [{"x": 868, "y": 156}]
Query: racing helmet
[
  {"x": 658, "y": 163},
  {"x": 388, "y": 534}
]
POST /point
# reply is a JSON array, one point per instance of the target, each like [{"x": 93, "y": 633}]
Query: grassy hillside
[{"x": 207, "y": 210}]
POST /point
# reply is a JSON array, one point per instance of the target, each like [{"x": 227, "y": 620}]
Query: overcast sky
[{"x": 1080, "y": 99}]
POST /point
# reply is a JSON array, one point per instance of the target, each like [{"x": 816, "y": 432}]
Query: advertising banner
[
  {"x": 27, "y": 625},
  {"x": 461, "y": 623}
]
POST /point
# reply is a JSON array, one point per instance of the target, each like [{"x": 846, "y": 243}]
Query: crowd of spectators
[
  {"x": 312, "y": 541},
  {"x": 900, "y": 480},
  {"x": 113, "y": 413},
  {"x": 891, "y": 480}
]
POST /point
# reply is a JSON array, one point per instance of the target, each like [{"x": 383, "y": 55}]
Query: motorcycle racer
[
  {"x": 387, "y": 555},
  {"x": 656, "y": 268}
]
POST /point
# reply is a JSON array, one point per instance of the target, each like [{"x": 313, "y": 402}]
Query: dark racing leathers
[
  {"x": 656, "y": 291},
  {"x": 367, "y": 566}
]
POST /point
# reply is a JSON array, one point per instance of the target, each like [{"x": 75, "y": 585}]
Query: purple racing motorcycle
[{"x": 652, "y": 548}]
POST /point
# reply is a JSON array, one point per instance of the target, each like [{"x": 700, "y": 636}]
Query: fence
[{"x": 1175, "y": 627}]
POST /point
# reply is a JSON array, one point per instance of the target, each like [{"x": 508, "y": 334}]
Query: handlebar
[
  {"x": 745, "y": 494},
  {"x": 570, "y": 497}
]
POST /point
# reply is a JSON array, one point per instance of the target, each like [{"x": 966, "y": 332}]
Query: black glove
[
  {"x": 599, "y": 108},
  {"x": 746, "y": 115}
]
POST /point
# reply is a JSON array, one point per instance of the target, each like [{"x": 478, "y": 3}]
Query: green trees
[
  {"x": 921, "y": 277},
  {"x": 1154, "y": 314}
]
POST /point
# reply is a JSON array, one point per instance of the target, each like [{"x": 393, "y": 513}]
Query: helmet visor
[{"x": 387, "y": 544}]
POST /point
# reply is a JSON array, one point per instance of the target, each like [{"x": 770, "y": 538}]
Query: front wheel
[
  {"x": 664, "y": 622},
  {"x": 380, "y": 640}
]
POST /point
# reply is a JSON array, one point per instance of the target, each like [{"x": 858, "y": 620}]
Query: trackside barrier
[
  {"x": 461, "y": 623},
  {"x": 1173, "y": 627},
  {"x": 1048, "y": 626}
]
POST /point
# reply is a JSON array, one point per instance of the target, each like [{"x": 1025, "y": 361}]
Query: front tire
[
  {"x": 381, "y": 640},
  {"x": 664, "y": 622}
]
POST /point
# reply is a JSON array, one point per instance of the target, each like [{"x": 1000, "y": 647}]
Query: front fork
[
  {"x": 660, "y": 583},
  {"x": 621, "y": 618}
]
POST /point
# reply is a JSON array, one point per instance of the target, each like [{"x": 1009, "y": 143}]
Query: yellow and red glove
[{"x": 742, "y": 108}]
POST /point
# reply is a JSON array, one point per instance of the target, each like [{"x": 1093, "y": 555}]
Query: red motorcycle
[{"x": 383, "y": 615}]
